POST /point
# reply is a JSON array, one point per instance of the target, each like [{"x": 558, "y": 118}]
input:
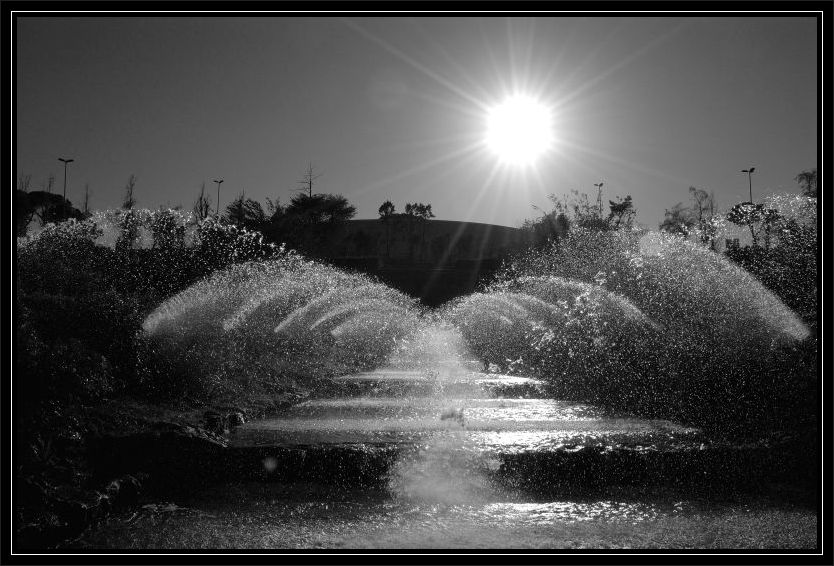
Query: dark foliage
[
  {"x": 308, "y": 222},
  {"x": 80, "y": 305},
  {"x": 41, "y": 207}
]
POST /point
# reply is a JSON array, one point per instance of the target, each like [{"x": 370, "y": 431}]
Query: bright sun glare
[{"x": 519, "y": 130}]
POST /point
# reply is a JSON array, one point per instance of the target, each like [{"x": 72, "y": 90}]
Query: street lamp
[
  {"x": 218, "y": 196},
  {"x": 750, "y": 180},
  {"x": 599, "y": 196},
  {"x": 65, "y": 161}
]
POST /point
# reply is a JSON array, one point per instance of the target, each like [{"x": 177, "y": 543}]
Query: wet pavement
[
  {"x": 460, "y": 459},
  {"x": 488, "y": 412},
  {"x": 303, "y": 516}
]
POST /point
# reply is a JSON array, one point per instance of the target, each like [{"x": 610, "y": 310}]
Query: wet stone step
[
  {"x": 480, "y": 424},
  {"x": 394, "y": 383},
  {"x": 481, "y": 435},
  {"x": 468, "y": 409},
  {"x": 566, "y": 470}
]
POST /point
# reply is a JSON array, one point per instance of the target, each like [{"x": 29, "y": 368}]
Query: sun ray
[
  {"x": 459, "y": 231},
  {"x": 459, "y": 69},
  {"x": 453, "y": 105},
  {"x": 627, "y": 164},
  {"x": 472, "y": 148},
  {"x": 504, "y": 89},
  {"x": 416, "y": 64},
  {"x": 646, "y": 47},
  {"x": 578, "y": 68}
]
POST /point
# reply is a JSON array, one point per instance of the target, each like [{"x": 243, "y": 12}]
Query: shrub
[{"x": 83, "y": 289}]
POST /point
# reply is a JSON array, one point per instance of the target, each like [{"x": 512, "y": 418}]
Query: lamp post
[
  {"x": 218, "y": 196},
  {"x": 599, "y": 196},
  {"x": 65, "y": 161},
  {"x": 750, "y": 180}
]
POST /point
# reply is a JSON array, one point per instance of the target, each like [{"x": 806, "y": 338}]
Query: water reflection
[
  {"x": 566, "y": 511},
  {"x": 264, "y": 516}
]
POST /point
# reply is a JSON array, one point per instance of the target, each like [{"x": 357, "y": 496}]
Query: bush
[{"x": 84, "y": 288}]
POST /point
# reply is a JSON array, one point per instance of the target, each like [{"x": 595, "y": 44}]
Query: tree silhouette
[
  {"x": 274, "y": 209},
  {"x": 678, "y": 220},
  {"x": 386, "y": 213},
  {"x": 622, "y": 212},
  {"x": 808, "y": 182},
  {"x": 23, "y": 183},
  {"x": 86, "y": 200},
  {"x": 42, "y": 207},
  {"x": 307, "y": 182},
  {"x": 168, "y": 232},
  {"x": 246, "y": 213},
  {"x": 578, "y": 210},
  {"x": 424, "y": 213},
  {"x": 771, "y": 220},
  {"x": 421, "y": 213},
  {"x": 129, "y": 200},
  {"x": 202, "y": 208},
  {"x": 747, "y": 214},
  {"x": 50, "y": 182},
  {"x": 703, "y": 205},
  {"x": 308, "y": 222},
  {"x": 320, "y": 208}
]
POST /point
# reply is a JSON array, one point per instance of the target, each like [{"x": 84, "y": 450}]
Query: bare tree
[
  {"x": 86, "y": 199},
  {"x": 308, "y": 180},
  {"x": 703, "y": 207},
  {"x": 23, "y": 183},
  {"x": 577, "y": 209},
  {"x": 202, "y": 208},
  {"x": 50, "y": 182},
  {"x": 129, "y": 200}
]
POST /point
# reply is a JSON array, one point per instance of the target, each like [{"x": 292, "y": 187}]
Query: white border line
[{"x": 671, "y": 13}]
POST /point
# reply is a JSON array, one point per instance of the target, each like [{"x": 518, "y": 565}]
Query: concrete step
[
  {"x": 388, "y": 408},
  {"x": 537, "y": 445},
  {"x": 450, "y": 384},
  {"x": 585, "y": 468}
]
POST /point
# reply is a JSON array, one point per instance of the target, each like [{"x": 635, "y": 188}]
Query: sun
[{"x": 519, "y": 130}]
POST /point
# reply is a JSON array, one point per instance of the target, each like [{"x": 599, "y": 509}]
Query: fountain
[
  {"x": 612, "y": 361},
  {"x": 650, "y": 326}
]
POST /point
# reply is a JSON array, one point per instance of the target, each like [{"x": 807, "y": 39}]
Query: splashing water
[
  {"x": 447, "y": 468},
  {"x": 281, "y": 318},
  {"x": 652, "y": 323}
]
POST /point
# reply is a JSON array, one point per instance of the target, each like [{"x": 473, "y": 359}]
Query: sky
[{"x": 396, "y": 108}]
